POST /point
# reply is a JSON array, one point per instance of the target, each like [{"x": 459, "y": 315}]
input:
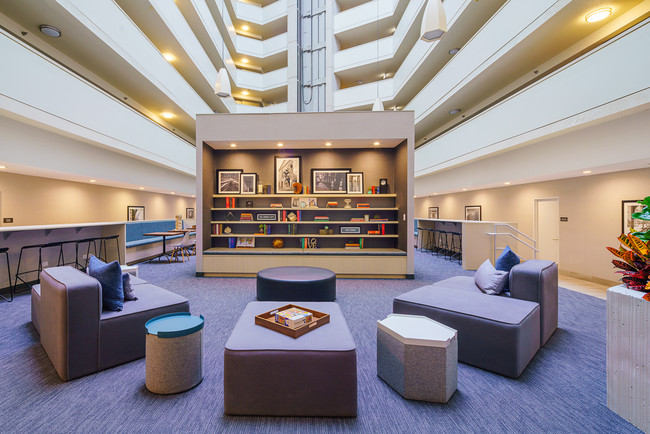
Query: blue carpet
[{"x": 562, "y": 390}]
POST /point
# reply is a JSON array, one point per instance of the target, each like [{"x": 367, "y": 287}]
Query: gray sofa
[
  {"x": 497, "y": 333},
  {"x": 78, "y": 336}
]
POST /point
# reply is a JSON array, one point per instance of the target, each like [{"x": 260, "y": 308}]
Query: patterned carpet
[{"x": 562, "y": 390}]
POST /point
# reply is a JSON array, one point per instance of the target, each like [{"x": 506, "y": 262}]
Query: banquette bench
[{"x": 139, "y": 247}]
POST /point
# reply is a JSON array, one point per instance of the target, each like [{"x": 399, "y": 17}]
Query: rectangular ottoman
[{"x": 269, "y": 374}]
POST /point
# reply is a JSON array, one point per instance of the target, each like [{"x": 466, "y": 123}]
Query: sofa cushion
[
  {"x": 490, "y": 280},
  {"x": 459, "y": 283},
  {"x": 128, "y": 289},
  {"x": 110, "y": 278},
  {"x": 506, "y": 260}
]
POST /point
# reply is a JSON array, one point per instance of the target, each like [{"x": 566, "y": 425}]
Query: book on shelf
[
  {"x": 246, "y": 217},
  {"x": 378, "y": 220},
  {"x": 232, "y": 242},
  {"x": 383, "y": 229},
  {"x": 332, "y": 204},
  {"x": 363, "y": 205},
  {"x": 292, "y": 229},
  {"x": 275, "y": 205},
  {"x": 374, "y": 232},
  {"x": 354, "y": 244},
  {"x": 358, "y": 219},
  {"x": 321, "y": 218}
]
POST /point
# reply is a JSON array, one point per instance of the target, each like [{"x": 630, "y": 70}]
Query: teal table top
[{"x": 174, "y": 325}]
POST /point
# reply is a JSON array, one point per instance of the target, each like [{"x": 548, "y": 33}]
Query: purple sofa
[{"x": 78, "y": 336}]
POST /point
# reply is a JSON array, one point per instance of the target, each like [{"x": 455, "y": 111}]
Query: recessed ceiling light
[
  {"x": 464, "y": 189},
  {"x": 233, "y": 145},
  {"x": 93, "y": 180},
  {"x": 376, "y": 143},
  {"x": 586, "y": 172},
  {"x": 193, "y": 195},
  {"x": 598, "y": 14},
  {"x": 454, "y": 51},
  {"x": 172, "y": 192},
  {"x": 167, "y": 115},
  {"x": 48, "y": 30},
  {"x": 454, "y": 111},
  {"x": 3, "y": 167},
  {"x": 435, "y": 194},
  {"x": 141, "y": 188},
  {"x": 245, "y": 92},
  {"x": 245, "y": 28},
  {"x": 507, "y": 183},
  {"x": 280, "y": 145},
  {"x": 169, "y": 57},
  {"x": 244, "y": 60},
  {"x": 328, "y": 144}
]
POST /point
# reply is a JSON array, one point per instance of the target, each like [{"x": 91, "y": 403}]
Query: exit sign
[{"x": 564, "y": 219}]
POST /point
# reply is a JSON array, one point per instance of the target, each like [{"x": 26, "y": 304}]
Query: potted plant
[{"x": 634, "y": 255}]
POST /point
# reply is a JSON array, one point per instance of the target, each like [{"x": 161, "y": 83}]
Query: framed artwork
[
  {"x": 355, "y": 182},
  {"x": 629, "y": 207},
  {"x": 433, "y": 212},
  {"x": 245, "y": 242},
  {"x": 134, "y": 213},
  {"x": 189, "y": 213},
  {"x": 287, "y": 171},
  {"x": 229, "y": 181},
  {"x": 248, "y": 183},
  {"x": 329, "y": 180},
  {"x": 473, "y": 213}
]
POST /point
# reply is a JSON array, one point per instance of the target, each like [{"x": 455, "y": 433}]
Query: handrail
[
  {"x": 495, "y": 233},
  {"x": 518, "y": 239},
  {"x": 514, "y": 229}
]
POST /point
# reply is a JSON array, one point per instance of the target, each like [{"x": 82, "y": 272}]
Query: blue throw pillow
[
  {"x": 110, "y": 277},
  {"x": 506, "y": 261}
]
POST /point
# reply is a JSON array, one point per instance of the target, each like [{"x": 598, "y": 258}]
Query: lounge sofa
[
  {"x": 78, "y": 336},
  {"x": 499, "y": 333}
]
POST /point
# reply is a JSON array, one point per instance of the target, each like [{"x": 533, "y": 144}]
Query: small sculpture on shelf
[
  {"x": 347, "y": 203},
  {"x": 278, "y": 243},
  {"x": 297, "y": 188}
]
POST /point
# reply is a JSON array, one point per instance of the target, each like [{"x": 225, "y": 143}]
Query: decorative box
[{"x": 293, "y": 317}]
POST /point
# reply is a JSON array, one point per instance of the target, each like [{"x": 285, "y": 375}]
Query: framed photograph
[
  {"x": 355, "y": 182},
  {"x": 473, "y": 213},
  {"x": 249, "y": 204},
  {"x": 433, "y": 212},
  {"x": 303, "y": 202},
  {"x": 134, "y": 213},
  {"x": 329, "y": 180},
  {"x": 229, "y": 181},
  {"x": 630, "y": 207},
  {"x": 287, "y": 171},
  {"x": 350, "y": 229},
  {"x": 248, "y": 183},
  {"x": 245, "y": 242},
  {"x": 189, "y": 213}
]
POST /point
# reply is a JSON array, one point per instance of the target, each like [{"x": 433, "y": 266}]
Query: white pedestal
[
  {"x": 628, "y": 363},
  {"x": 131, "y": 269}
]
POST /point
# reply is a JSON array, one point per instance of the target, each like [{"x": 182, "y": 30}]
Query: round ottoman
[
  {"x": 296, "y": 284},
  {"x": 174, "y": 353}
]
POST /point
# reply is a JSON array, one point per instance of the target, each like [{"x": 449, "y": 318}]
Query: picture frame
[
  {"x": 350, "y": 229},
  {"x": 473, "y": 213},
  {"x": 329, "y": 181},
  {"x": 433, "y": 212},
  {"x": 248, "y": 183},
  {"x": 134, "y": 213},
  {"x": 245, "y": 242},
  {"x": 229, "y": 181},
  {"x": 189, "y": 213},
  {"x": 304, "y": 202},
  {"x": 355, "y": 182},
  {"x": 629, "y": 207},
  {"x": 249, "y": 204},
  {"x": 287, "y": 170}
]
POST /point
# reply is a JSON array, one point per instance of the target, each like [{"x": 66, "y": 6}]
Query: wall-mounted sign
[{"x": 564, "y": 219}]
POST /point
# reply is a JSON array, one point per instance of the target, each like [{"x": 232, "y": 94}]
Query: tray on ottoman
[{"x": 267, "y": 319}]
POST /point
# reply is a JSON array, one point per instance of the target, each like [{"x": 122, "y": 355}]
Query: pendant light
[
  {"x": 222, "y": 86},
  {"x": 434, "y": 21},
  {"x": 378, "y": 106}
]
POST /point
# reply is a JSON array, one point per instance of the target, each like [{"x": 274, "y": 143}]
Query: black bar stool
[
  {"x": 40, "y": 247},
  {"x": 11, "y": 288},
  {"x": 102, "y": 244},
  {"x": 61, "y": 260},
  {"x": 441, "y": 242},
  {"x": 456, "y": 246},
  {"x": 90, "y": 241}
]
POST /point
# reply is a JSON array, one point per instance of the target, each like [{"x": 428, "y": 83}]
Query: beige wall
[
  {"x": 31, "y": 200},
  {"x": 592, "y": 204}
]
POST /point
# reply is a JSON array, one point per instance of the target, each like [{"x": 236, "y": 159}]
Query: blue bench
[{"x": 135, "y": 231}]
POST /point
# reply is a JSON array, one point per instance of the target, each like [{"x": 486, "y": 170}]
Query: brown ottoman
[{"x": 269, "y": 374}]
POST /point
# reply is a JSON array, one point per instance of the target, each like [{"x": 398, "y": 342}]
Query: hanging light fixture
[
  {"x": 378, "y": 106},
  {"x": 434, "y": 21},
  {"x": 222, "y": 86}
]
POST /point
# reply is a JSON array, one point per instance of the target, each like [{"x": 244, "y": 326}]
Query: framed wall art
[
  {"x": 629, "y": 207},
  {"x": 229, "y": 181},
  {"x": 355, "y": 182},
  {"x": 245, "y": 242},
  {"x": 134, "y": 213},
  {"x": 433, "y": 212},
  {"x": 286, "y": 172},
  {"x": 329, "y": 180},
  {"x": 248, "y": 183},
  {"x": 473, "y": 213},
  {"x": 189, "y": 213}
]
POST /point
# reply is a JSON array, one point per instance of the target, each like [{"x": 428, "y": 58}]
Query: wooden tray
[{"x": 267, "y": 319}]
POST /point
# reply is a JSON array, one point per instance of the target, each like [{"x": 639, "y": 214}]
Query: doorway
[{"x": 547, "y": 228}]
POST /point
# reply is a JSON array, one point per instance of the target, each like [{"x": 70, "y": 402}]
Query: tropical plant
[{"x": 634, "y": 255}]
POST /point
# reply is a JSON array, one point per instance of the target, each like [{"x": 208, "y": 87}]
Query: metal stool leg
[{"x": 11, "y": 288}]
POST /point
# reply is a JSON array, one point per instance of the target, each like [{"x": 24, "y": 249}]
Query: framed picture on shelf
[
  {"x": 355, "y": 182},
  {"x": 229, "y": 181},
  {"x": 189, "y": 213},
  {"x": 329, "y": 180},
  {"x": 433, "y": 212},
  {"x": 245, "y": 242},
  {"x": 134, "y": 213},
  {"x": 473, "y": 213},
  {"x": 286, "y": 172},
  {"x": 629, "y": 207},
  {"x": 248, "y": 183}
]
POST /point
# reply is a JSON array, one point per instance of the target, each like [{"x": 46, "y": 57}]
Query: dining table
[{"x": 164, "y": 236}]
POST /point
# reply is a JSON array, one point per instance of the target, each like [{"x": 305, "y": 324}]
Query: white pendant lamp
[
  {"x": 378, "y": 106},
  {"x": 434, "y": 21},
  {"x": 222, "y": 86}
]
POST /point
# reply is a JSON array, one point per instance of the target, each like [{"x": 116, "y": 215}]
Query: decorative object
[
  {"x": 312, "y": 243},
  {"x": 189, "y": 213},
  {"x": 347, "y": 203},
  {"x": 506, "y": 260},
  {"x": 355, "y": 182},
  {"x": 267, "y": 217},
  {"x": 490, "y": 280},
  {"x": 292, "y": 217},
  {"x": 246, "y": 242},
  {"x": 287, "y": 172},
  {"x": 329, "y": 180},
  {"x": 366, "y": 217},
  {"x": 248, "y": 182},
  {"x": 229, "y": 216},
  {"x": 110, "y": 278},
  {"x": 222, "y": 86},
  {"x": 433, "y": 212},
  {"x": 278, "y": 243},
  {"x": 227, "y": 230},
  {"x": 326, "y": 231},
  {"x": 228, "y": 181},
  {"x": 297, "y": 188},
  {"x": 260, "y": 188},
  {"x": 295, "y": 202},
  {"x": 638, "y": 223},
  {"x": 434, "y": 21},
  {"x": 306, "y": 202},
  {"x": 293, "y": 317},
  {"x": 473, "y": 213},
  {"x": 267, "y": 319},
  {"x": 178, "y": 224},
  {"x": 350, "y": 229},
  {"x": 383, "y": 186},
  {"x": 249, "y": 204},
  {"x": 134, "y": 213}
]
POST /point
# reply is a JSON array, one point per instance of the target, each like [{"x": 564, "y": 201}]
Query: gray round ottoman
[{"x": 296, "y": 284}]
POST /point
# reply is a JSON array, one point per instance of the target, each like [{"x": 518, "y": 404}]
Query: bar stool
[
  {"x": 441, "y": 242},
  {"x": 90, "y": 241},
  {"x": 38, "y": 270},
  {"x": 61, "y": 261},
  {"x": 456, "y": 246},
  {"x": 102, "y": 244},
  {"x": 11, "y": 288}
]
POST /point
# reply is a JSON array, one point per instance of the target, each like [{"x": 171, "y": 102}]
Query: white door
[{"x": 547, "y": 228}]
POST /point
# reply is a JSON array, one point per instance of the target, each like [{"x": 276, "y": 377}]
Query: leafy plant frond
[{"x": 623, "y": 265}]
